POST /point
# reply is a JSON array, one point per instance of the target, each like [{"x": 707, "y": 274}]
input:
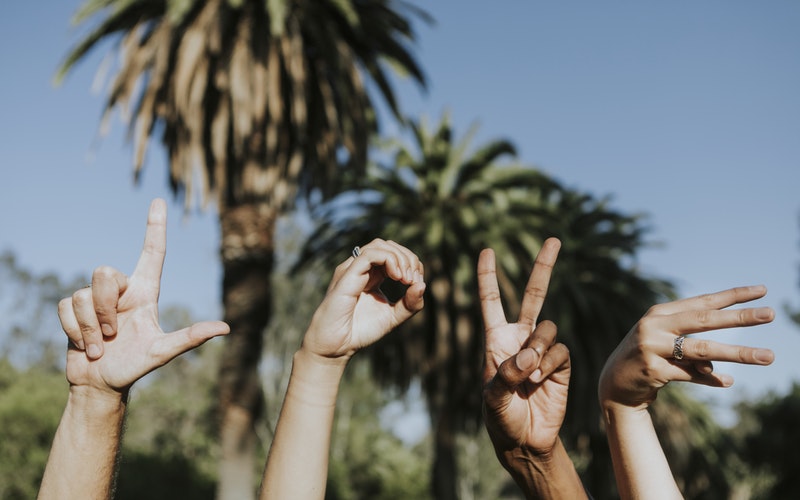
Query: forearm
[
  {"x": 546, "y": 475},
  {"x": 83, "y": 457},
  {"x": 640, "y": 466},
  {"x": 297, "y": 466}
]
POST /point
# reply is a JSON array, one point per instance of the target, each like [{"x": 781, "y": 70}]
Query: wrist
[
  {"x": 315, "y": 378},
  {"x": 616, "y": 413},
  {"x": 90, "y": 402},
  {"x": 544, "y": 473}
]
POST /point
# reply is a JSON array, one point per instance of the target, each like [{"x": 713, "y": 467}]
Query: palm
[{"x": 129, "y": 355}]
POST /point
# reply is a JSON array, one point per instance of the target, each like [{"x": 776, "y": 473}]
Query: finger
[
  {"x": 85, "y": 315},
  {"x": 151, "y": 260},
  {"x": 357, "y": 276},
  {"x": 703, "y": 367},
  {"x": 413, "y": 302},
  {"x": 542, "y": 337},
  {"x": 680, "y": 371},
  {"x": 696, "y": 321},
  {"x": 393, "y": 257},
  {"x": 717, "y": 300},
  {"x": 489, "y": 292},
  {"x": 69, "y": 323},
  {"x": 513, "y": 371},
  {"x": 107, "y": 286},
  {"x": 409, "y": 262},
  {"x": 556, "y": 359},
  {"x": 178, "y": 342},
  {"x": 709, "y": 350},
  {"x": 536, "y": 289}
]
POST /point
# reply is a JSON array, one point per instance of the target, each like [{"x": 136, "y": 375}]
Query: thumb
[
  {"x": 412, "y": 302},
  {"x": 178, "y": 342},
  {"x": 511, "y": 373}
]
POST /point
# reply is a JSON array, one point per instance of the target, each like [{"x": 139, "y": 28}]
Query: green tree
[
  {"x": 701, "y": 454},
  {"x": 31, "y": 402},
  {"x": 254, "y": 102},
  {"x": 767, "y": 437},
  {"x": 447, "y": 202}
]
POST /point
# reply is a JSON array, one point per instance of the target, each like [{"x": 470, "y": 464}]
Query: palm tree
[
  {"x": 447, "y": 203},
  {"x": 255, "y": 102}
]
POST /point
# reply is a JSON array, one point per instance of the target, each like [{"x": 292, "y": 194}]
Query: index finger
[
  {"x": 151, "y": 261},
  {"x": 536, "y": 289},
  {"x": 489, "y": 291}
]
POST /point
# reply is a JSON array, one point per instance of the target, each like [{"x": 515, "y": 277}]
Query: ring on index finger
[{"x": 677, "y": 348}]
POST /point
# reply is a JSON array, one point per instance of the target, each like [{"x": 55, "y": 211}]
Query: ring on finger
[
  {"x": 356, "y": 251},
  {"x": 677, "y": 348}
]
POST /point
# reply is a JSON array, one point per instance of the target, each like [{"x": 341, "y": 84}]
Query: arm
[
  {"x": 526, "y": 379},
  {"x": 353, "y": 315},
  {"x": 114, "y": 340},
  {"x": 647, "y": 359}
]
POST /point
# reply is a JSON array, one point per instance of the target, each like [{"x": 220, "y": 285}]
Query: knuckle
[
  {"x": 699, "y": 348},
  {"x": 653, "y": 310},
  {"x": 104, "y": 272},
  {"x": 82, "y": 296},
  {"x": 703, "y": 317}
]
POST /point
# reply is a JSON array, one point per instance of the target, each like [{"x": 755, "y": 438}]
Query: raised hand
[
  {"x": 355, "y": 313},
  {"x": 526, "y": 378},
  {"x": 526, "y": 373},
  {"x": 645, "y": 360},
  {"x": 654, "y": 353},
  {"x": 112, "y": 326}
]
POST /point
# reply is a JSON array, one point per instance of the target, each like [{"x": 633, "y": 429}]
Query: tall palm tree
[
  {"x": 447, "y": 202},
  {"x": 255, "y": 102}
]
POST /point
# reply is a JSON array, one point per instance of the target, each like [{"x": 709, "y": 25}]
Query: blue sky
[{"x": 686, "y": 111}]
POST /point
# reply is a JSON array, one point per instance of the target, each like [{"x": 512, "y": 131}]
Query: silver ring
[
  {"x": 356, "y": 251},
  {"x": 677, "y": 349}
]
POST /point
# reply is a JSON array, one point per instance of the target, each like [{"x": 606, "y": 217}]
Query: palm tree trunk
[
  {"x": 247, "y": 258},
  {"x": 444, "y": 473},
  {"x": 444, "y": 461}
]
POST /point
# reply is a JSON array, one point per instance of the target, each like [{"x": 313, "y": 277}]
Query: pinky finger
[{"x": 697, "y": 372}]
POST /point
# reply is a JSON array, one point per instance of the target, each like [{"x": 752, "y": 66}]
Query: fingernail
[
  {"x": 524, "y": 359},
  {"x": 93, "y": 351},
  {"x": 764, "y": 356},
  {"x": 726, "y": 380},
  {"x": 107, "y": 330},
  {"x": 81, "y": 345},
  {"x": 536, "y": 375},
  {"x": 764, "y": 313}
]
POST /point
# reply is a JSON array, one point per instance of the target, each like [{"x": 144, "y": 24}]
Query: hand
[
  {"x": 643, "y": 362},
  {"x": 355, "y": 313},
  {"x": 526, "y": 376},
  {"x": 112, "y": 326}
]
